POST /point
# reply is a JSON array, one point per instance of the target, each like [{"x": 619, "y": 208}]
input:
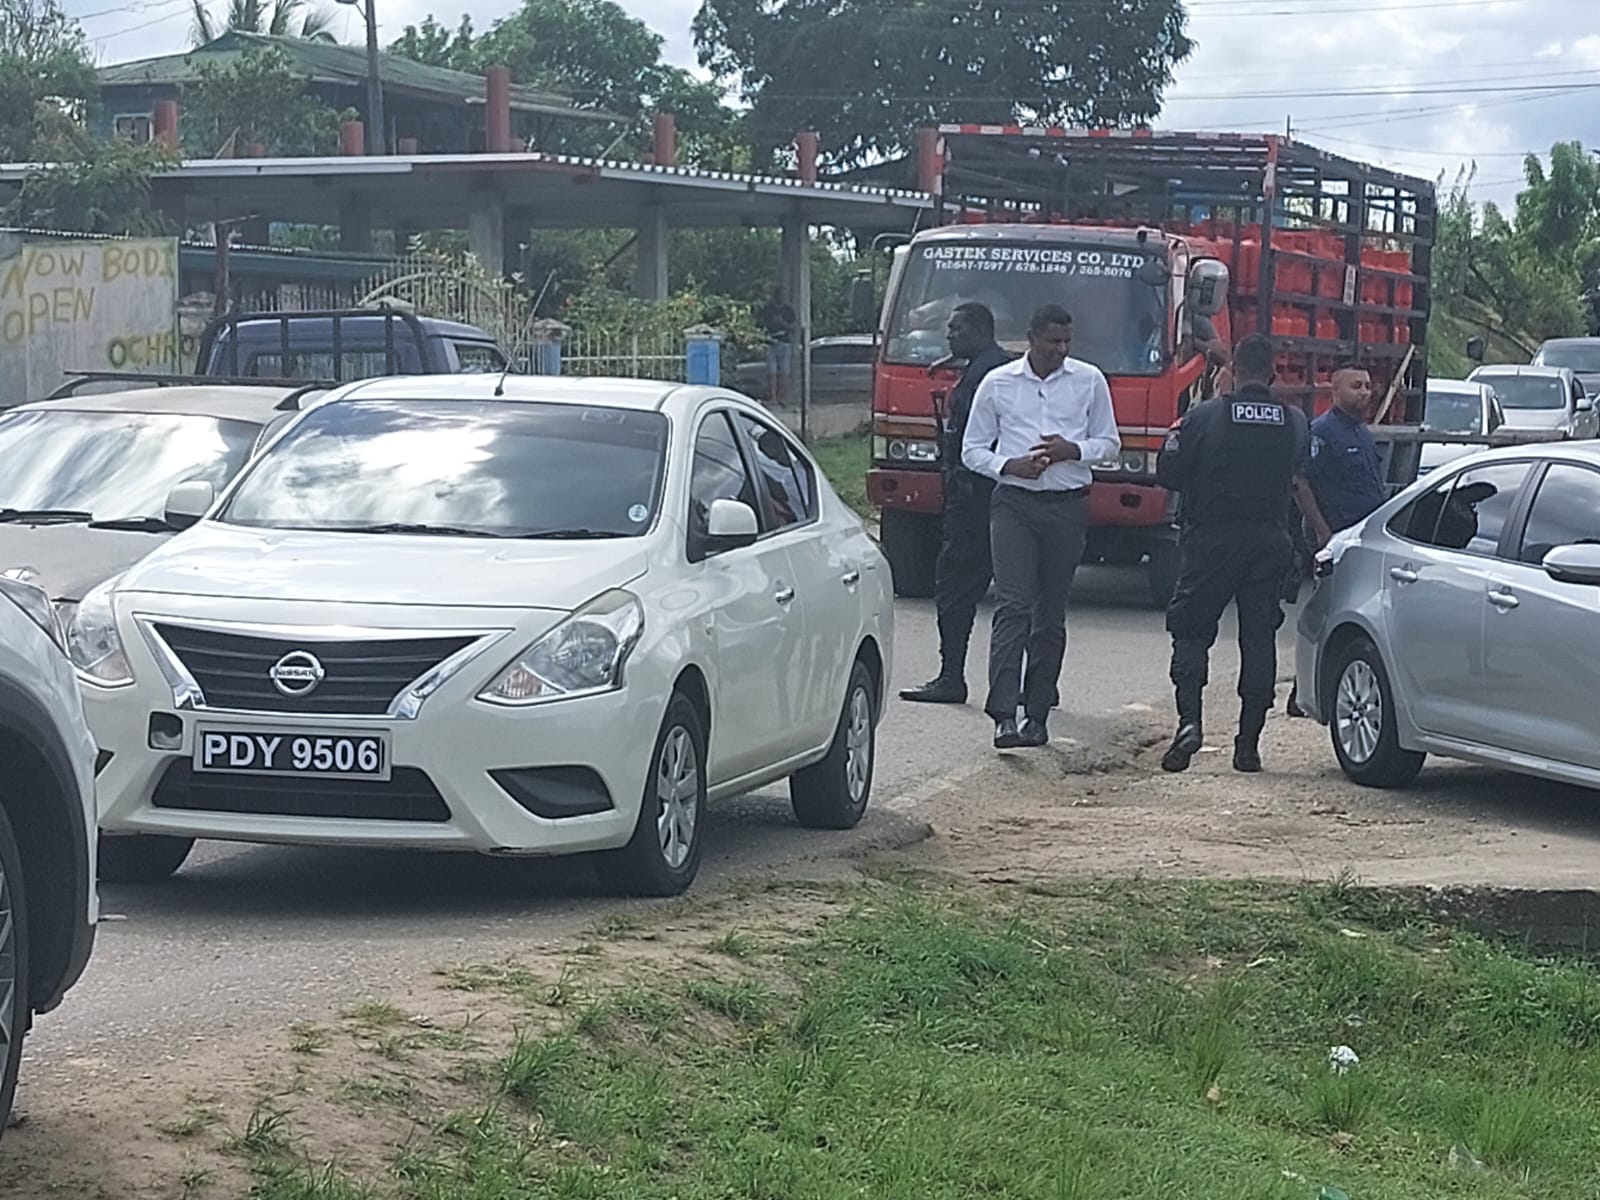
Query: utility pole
[{"x": 377, "y": 138}]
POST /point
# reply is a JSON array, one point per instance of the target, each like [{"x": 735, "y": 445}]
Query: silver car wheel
[
  {"x": 678, "y": 794},
  {"x": 1358, "y": 711},
  {"x": 858, "y": 746}
]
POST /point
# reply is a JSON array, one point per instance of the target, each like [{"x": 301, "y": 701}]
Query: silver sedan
[{"x": 1459, "y": 619}]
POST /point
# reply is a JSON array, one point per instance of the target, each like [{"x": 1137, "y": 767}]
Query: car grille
[
  {"x": 362, "y": 677},
  {"x": 408, "y": 795}
]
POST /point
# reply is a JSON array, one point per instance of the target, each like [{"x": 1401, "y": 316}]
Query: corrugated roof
[{"x": 331, "y": 63}]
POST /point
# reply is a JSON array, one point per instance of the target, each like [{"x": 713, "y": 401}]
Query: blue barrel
[{"x": 703, "y": 360}]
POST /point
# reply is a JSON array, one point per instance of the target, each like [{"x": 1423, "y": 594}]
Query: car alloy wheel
[
  {"x": 858, "y": 745},
  {"x": 678, "y": 793},
  {"x": 1358, "y": 711}
]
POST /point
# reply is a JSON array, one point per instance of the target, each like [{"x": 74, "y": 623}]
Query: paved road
[{"x": 249, "y": 936}]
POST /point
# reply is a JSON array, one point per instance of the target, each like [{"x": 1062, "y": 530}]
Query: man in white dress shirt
[{"x": 1037, "y": 424}]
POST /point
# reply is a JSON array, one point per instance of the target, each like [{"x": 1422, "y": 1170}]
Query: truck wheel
[
  {"x": 911, "y": 544},
  {"x": 1361, "y": 720},
  {"x": 141, "y": 857},
  {"x": 13, "y": 966},
  {"x": 1161, "y": 573}
]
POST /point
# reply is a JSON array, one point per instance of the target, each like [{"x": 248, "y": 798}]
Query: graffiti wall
[{"x": 84, "y": 305}]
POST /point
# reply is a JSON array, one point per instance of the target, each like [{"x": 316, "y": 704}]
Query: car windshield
[
  {"x": 507, "y": 469},
  {"x": 113, "y": 464},
  {"x": 1527, "y": 391},
  {"x": 1582, "y": 357},
  {"x": 1453, "y": 412},
  {"x": 1118, "y": 322}
]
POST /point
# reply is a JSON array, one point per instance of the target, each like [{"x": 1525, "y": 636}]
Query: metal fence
[{"x": 631, "y": 354}]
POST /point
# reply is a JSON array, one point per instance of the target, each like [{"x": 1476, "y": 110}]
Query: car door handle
[
  {"x": 784, "y": 595},
  {"x": 1402, "y": 574},
  {"x": 850, "y": 578},
  {"x": 1503, "y": 599}
]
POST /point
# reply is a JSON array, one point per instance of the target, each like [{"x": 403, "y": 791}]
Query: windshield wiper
[
  {"x": 415, "y": 527},
  {"x": 574, "y": 534},
  {"x": 136, "y": 524},
  {"x": 44, "y": 516}
]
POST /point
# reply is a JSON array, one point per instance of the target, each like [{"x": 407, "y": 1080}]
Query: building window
[{"x": 134, "y": 127}]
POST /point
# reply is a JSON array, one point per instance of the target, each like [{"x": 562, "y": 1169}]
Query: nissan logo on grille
[{"x": 297, "y": 673}]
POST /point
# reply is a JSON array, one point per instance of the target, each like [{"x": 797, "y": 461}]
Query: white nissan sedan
[{"x": 530, "y": 616}]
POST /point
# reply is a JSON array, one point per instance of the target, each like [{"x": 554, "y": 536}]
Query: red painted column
[
  {"x": 497, "y": 115},
  {"x": 665, "y": 128},
  {"x": 164, "y": 123},
  {"x": 929, "y": 168},
  {"x": 805, "y": 145},
  {"x": 352, "y": 139}
]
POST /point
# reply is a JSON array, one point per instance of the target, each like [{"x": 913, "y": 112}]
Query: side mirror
[
  {"x": 188, "y": 502},
  {"x": 730, "y": 524},
  {"x": 1477, "y": 347},
  {"x": 1577, "y": 563},
  {"x": 863, "y": 306},
  {"x": 1208, "y": 287},
  {"x": 1585, "y": 403}
]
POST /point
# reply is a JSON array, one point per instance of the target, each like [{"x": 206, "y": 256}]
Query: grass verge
[
  {"x": 1116, "y": 1040},
  {"x": 844, "y": 460}
]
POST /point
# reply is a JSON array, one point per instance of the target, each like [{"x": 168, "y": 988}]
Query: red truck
[{"x": 1139, "y": 234}]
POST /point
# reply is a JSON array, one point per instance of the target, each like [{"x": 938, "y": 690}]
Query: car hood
[
  {"x": 71, "y": 559},
  {"x": 1537, "y": 418},
  {"x": 228, "y": 561}
]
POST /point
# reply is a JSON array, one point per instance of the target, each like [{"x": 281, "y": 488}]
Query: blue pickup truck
[{"x": 341, "y": 346}]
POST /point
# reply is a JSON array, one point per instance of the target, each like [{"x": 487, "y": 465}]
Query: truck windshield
[{"x": 1118, "y": 322}]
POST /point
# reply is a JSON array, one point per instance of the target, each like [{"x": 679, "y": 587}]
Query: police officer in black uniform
[
  {"x": 1233, "y": 460},
  {"x": 962, "y": 574}
]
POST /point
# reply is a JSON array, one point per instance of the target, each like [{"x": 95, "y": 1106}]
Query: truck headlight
[
  {"x": 92, "y": 641},
  {"x": 581, "y": 656},
  {"x": 20, "y": 586},
  {"x": 910, "y": 450}
]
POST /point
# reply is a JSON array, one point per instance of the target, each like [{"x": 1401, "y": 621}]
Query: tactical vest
[{"x": 1246, "y": 475}]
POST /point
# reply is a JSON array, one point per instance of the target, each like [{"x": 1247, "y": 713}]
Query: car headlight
[
  {"x": 579, "y": 657},
  {"x": 92, "y": 641},
  {"x": 20, "y": 586}
]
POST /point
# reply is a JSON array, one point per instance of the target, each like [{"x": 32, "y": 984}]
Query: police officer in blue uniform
[
  {"x": 1233, "y": 460},
  {"x": 1344, "y": 479},
  {"x": 963, "y": 571}
]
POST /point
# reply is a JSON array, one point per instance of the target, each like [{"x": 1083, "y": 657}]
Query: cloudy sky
[{"x": 1425, "y": 86}]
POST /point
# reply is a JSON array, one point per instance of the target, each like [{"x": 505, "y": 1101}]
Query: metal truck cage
[{"x": 229, "y": 324}]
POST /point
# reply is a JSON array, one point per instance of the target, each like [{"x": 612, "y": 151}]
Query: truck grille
[
  {"x": 409, "y": 795},
  {"x": 361, "y": 678}
]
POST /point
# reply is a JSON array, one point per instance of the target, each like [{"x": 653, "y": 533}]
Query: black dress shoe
[
  {"x": 1184, "y": 747},
  {"x": 1246, "y": 755},
  {"x": 1293, "y": 707},
  {"x": 937, "y": 691},
  {"x": 1034, "y": 733},
  {"x": 1006, "y": 736}
]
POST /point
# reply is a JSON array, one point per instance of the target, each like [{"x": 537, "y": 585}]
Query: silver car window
[{"x": 1565, "y": 511}]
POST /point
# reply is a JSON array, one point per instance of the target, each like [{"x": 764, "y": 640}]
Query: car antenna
[{"x": 500, "y": 387}]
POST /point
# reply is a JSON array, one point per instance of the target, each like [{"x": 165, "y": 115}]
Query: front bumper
[{"x": 443, "y": 793}]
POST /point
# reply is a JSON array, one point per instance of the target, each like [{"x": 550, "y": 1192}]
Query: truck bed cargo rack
[
  {"x": 229, "y": 323},
  {"x": 296, "y": 388}
]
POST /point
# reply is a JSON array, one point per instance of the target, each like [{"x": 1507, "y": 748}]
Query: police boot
[
  {"x": 1247, "y": 746},
  {"x": 1187, "y": 741},
  {"x": 945, "y": 688}
]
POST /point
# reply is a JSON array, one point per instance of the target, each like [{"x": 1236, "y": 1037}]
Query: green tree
[
  {"x": 104, "y": 190},
  {"x": 256, "y": 98},
  {"x": 46, "y": 81},
  {"x": 281, "y": 18},
  {"x": 864, "y": 74}
]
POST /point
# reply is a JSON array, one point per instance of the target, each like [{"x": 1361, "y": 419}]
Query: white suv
[
  {"x": 48, "y": 905},
  {"x": 528, "y": 616}
]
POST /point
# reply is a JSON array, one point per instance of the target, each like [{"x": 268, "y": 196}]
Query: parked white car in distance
[
  {"x": 535, "y": 616},
  {"x": 48, "y": 904},
  {"x": 1550, "y": 398},
  {"x": 1456, "y": 406}
]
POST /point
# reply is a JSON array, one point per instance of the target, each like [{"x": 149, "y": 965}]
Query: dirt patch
[{"x": 1057, "y": 812}]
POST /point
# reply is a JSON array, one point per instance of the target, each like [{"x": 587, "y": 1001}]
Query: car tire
[
  {"x": 1361, "y": 720},
  {"x": 833, "y": 793},
  {"x": 663, "y": 855},
  {"x": 141, "y": 857},
  {"x": 14, "y": 1007}
]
